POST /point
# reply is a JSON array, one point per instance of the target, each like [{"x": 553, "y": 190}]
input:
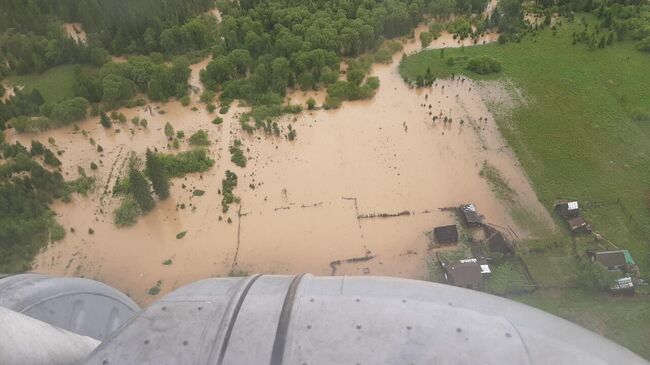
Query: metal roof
[
  {"x": 611, "y": 258},
  {"x": 572, "y": 205}
]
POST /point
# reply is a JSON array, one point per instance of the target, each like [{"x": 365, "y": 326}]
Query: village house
[
  {"x": 463, "y": 274},
  {"x": 445, "y": 235},
  {"x": 613, "y": 260},
  {"x": 470, "y": 215},
  {"x": 570, "y": 211}
]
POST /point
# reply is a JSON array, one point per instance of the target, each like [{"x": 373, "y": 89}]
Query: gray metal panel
[
  {"x": 259, "y": 315},
  {"x": 83, "y": 306},
  {"x": 349, "y": 320},
  {"x": 188, "y": 326},
  {"x": 28, "y": 341}
]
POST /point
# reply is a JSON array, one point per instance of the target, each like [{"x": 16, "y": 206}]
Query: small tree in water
[
  {"x": 140, "y": 188},
  {"x": 169, "y": 131},
  {"x": 157, "y": 175},
  {"x": 105, "y": 121}
]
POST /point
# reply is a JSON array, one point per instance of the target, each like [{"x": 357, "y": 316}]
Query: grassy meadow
[{"x": 55, "y": 84}]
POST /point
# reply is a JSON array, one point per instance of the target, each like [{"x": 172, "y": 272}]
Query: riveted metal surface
[
  {"x": 349, "y": 320},
  {"x": 83, "y": 306},
  {"x": 187, "y": 326},
  {"x": 256, "y": 327}
]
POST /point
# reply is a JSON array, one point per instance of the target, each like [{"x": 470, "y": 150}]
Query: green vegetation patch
[
  {"x": 55, "y": 84},
  {"x": 228, "y": 184},
  {"x": 177, "y": 165},
  {"x": 237, "y": 154}
]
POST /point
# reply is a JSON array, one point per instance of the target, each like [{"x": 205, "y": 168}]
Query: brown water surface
[{"x": 300, "y": 200}]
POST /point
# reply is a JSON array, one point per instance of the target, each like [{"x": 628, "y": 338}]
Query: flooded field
[{"x": 301, "y": 200}]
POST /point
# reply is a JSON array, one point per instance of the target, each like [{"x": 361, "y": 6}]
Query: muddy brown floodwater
[{"x": 384, "y": 155}]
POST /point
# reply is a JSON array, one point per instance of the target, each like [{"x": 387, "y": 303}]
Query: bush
[
  {"x": 292, "y": 133},
  {"x": 332, "y": 102},
  {"x": 217, "y": 120},
  {"x": 126, "y": 215},
  {"x": 484, "y": 65},
  {"x": 154, "y": 290},
  {"x": 185, "y": 100},
  {"x": 373, "y": 82},
  {"x": 93, "y": 166},
  {"x": 169, "y": 131},
  {"x": 50, "y": 159},
  {"x": 426, "y": 38},
  {"x": 182, "y": 163},
  {"x": 311, "y": 104},
  {"x": 211, "y": 108},
  {"x": 208, "y": 96},
  {"x": 24, "y": 124},
  {"x": 82, "y": 185},
  {"x": 104, "y": 120},
  {"x": 595, "y": 276},
  {"x": 228, "y": 184},
  {"x": 66, "y": 111},
  {"x": 237, "y": 155},
  {"x": 200, "y": 138},
  {"x": 57, "y": 232},
  {"x": 382, "y": 56}
]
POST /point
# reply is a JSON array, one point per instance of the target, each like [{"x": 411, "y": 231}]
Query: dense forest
[
  {"x": 118, "y": 25},
  {"x": 29, "y": 182}
]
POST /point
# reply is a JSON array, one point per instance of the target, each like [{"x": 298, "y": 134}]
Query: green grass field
[
  {"x": 576, "y": 138},
  {"x": 54, "y": 84}
]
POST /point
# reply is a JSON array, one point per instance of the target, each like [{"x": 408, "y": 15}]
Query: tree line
[
  {"x": 26, "y": 190},
  {"x": 118, "y": 25},
  {"x": 619, "y": 20}
]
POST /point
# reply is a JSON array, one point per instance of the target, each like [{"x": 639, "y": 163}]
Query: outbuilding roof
[
  {"x": 464, "y": 274},
  {"x": 611, "y": 258}
]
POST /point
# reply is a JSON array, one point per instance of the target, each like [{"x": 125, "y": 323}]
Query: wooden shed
[
  {"x": 498, "y": 242},
  {"x": 470, "y": 215},
  {"x": 464, "y": 274},
  {"x": 445, "y": 235}
]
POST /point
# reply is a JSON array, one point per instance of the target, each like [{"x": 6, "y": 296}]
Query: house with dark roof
[
  {"x": 445, "y": 235},
  {"x": 612, "y": 260},
  {"x": 497, "y": 241},
  {"x": 470, "y": 215},
  {"x": 463, "y": 274},
  {"x": 570, "y": 211}
]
